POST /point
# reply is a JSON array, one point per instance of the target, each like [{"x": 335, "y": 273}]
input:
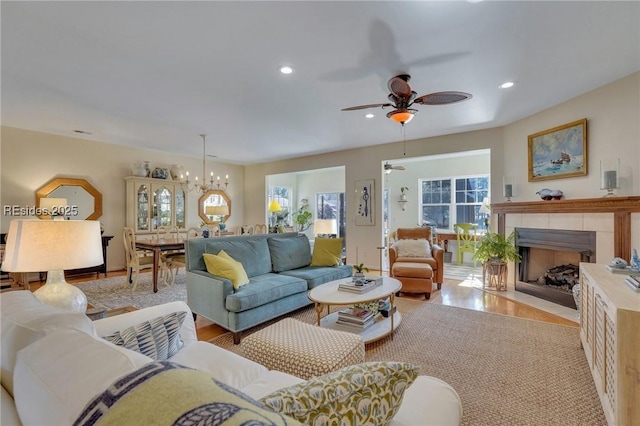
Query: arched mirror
[
  {"x": 81, "y": 197},
  {"x": 213, "y": 205}
]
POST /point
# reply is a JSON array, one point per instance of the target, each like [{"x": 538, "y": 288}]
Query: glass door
[
  {"x": 142, "y": 211},
  {"x": 162, "y": 207}
]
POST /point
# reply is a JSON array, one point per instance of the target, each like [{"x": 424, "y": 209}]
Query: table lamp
[
  {"x": 274, "y": 207},
  {"x": 325, "y": 227},
  {"x": 53, "y": 246},
  {"x": 485, "y": 209}
]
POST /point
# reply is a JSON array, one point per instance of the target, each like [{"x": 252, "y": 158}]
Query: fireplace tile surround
[{"x": 616, "y": 221}]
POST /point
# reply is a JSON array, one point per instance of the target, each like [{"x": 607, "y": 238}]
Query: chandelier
[{"x": 204, "y": 186}]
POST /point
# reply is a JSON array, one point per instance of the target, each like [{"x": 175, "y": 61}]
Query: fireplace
[{"x": 548, "y": 269}]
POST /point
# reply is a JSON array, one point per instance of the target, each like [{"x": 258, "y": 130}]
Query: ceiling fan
[
  {"x": 388, "y": 167},
  {"x": 402, "y": 98}
]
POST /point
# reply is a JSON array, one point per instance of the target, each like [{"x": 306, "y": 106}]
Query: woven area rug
[
  {"x": 507, "y": 370},
  {"x": 112, "y": 293}
]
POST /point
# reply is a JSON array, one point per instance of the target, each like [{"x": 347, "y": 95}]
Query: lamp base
[{"x": 60, "y": 294}]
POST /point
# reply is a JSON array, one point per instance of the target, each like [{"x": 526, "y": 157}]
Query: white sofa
[{"x": 54, "y": 362}]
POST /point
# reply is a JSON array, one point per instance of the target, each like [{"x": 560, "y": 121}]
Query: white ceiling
[{"x": 157, "y": 74}]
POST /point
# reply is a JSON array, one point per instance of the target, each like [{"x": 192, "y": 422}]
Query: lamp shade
[
  {"x": 53, "y": 205},
  {"x": 485, "y": 208},
  {"x": 325, "y": 226},
  {"x": 221, "y": 210},
  {"x": 53, "y": 246},
  {"x": 274, "y": 206}
]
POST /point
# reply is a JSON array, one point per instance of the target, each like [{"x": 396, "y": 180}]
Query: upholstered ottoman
[
  {"x": 416, "y": 277},
  {"x": 303, "y": 350}
]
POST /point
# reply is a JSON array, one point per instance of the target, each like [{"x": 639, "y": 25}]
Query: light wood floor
[{"x": 452, "y": 293}]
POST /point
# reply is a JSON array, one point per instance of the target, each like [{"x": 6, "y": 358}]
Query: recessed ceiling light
[
  {"x": 507, "y": 84},
  {"x": 369, "y": 115},
  {"x": 286, "y": 69}
]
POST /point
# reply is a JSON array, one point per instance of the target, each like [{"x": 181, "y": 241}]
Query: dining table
[{"x": 157, "y": 246}]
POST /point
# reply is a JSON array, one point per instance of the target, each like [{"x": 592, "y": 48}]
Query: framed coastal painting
[
  {"x": 365, "y": 202},
  {"x": 558, "y": 153}
]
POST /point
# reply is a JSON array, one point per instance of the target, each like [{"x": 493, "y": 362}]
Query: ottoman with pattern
[{"x": 303, "y": 350}]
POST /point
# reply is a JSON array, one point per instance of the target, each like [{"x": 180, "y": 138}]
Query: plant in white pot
[
  {"x": 494, "y": 251},
  {"x": 403, "y": 191},
  {"x": 358, "y": 275}
]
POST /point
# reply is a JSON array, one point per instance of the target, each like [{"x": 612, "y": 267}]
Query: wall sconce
[
  {"x": 508, "y": 188},
  {"x": 609, "y": 176}
]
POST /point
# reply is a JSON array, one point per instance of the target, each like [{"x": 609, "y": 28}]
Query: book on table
[
  {"x": 625, "y": 270},
  {"x": 357, "y": 315},
  {"x": 352, "y": 287}
]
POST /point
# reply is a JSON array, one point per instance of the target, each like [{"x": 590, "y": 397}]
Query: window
[
  {"x": 331, "y": 205},
  {"x": 282, "y": 194},
  {"x": 453, "y": 200}
]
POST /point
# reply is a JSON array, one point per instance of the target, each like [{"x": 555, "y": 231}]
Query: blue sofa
[{"x": 278, "y": 266}]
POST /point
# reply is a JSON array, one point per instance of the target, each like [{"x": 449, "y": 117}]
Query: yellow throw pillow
[
  {"x": 227, "y": 268},
  {"x": 327, "y": 252}
]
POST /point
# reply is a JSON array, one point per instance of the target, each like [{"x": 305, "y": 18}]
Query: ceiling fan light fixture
[{"x": 402, "y": 116}]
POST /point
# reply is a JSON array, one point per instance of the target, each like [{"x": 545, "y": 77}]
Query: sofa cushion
[
  {"x": 188, "y": 397},
  {"x": 264, "y": 289},
  {"x": 368, "y": 393},
  {"x": 62, "y": 371},
  {"x": 413, "y": 248},
  {"x": 317, "y": 275},
  {"x": 223, "y": 265},
  {"x": 289, "y": 253},
  {"x": 25, "y": 319},
  {"x": 252, "y": 252},
  {"x": 327, "y": 252},
  {"x": 158, "y": 338}
]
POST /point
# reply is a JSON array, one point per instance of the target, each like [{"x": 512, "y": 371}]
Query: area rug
[
  {"x": 112, "y": 293},
  {"x": 507, "y": 370}
]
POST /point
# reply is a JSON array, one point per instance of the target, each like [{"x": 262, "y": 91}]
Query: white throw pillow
[
  {"x": 61, "y": 372},
  {"x": 25, "y": 319},
  {"x": 413, "y": 248}
]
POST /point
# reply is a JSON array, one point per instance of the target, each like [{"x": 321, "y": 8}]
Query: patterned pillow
[
  {"x": 413, "y": 248},
  {"x": 165, "y": 393},
  {"x": 158, "y": 338},
  {"x": 368, "y": 393}
]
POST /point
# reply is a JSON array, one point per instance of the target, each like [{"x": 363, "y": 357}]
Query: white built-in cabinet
[
  {"x": 152, "y": 203},
  {"x": 610, "y": 335}
]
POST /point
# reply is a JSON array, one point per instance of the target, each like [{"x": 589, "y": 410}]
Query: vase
[
  {"x": 159, "y": 173},
  {"x": 139, "y": 170},
  {"x": 147, "y": 168},
  {"x": 176, "y": 171},
  {"x": 403, "y": 197}
]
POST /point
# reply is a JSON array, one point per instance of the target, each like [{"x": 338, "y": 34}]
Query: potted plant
[
  {"x": 403, "y": 189},
  {"x": 302, "y": 219},
  {"x": 494, "y": 251},
  {"x": 358, "y": 275}
]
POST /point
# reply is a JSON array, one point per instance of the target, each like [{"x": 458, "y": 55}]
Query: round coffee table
[{"x": 328, "y": 294}]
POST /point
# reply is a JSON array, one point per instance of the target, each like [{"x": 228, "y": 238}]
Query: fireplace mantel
[{"x": 621, "y": 207}]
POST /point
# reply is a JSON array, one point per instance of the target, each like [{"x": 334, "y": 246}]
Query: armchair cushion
[{"x": 413, "y": 248}]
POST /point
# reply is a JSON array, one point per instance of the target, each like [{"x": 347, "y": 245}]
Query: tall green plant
[{"x": 494, "y": 247}]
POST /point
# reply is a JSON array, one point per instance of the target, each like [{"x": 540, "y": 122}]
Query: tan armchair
[{"x": 415, "y": 261}]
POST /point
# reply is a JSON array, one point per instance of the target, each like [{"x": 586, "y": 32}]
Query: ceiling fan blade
[
  {"x": 399, "y": 85},
  {"x": 398, "y": 167},
  {"x": 354, "y": 108},
  {"x": 442, "y": 98}
]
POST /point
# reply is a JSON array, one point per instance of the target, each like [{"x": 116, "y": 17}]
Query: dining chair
[
  {"x": 176, "y": 260},
  {"x": 138, "y": 260},
  {"x": 467, "y": 238},
  {"x": 260, "y": 228}
]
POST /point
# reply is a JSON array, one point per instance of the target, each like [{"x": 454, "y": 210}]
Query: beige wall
[{"x": 29, "y": 159}]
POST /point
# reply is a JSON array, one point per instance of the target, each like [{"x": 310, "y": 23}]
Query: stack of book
[
  {"x": 624, "y": 270},
  {"x": 633, "y": 281},
  {"x": 355, "y": 319},
  {"x": 352, "y": 287}
]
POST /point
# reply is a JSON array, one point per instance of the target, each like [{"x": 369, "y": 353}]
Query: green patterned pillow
[{"x": 368, "y": 393}]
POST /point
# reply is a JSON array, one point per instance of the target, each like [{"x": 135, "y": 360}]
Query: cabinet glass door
[
  {"x": 143, "y": 208},
  {"x": 161, "y": 207},
  {"x": 180, "y": 214}
]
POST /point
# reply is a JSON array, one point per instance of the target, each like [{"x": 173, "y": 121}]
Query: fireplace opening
[{"x": 550, "y": 258}]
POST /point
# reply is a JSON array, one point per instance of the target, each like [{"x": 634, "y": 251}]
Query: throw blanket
[{"x": 164, "y": 393}]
